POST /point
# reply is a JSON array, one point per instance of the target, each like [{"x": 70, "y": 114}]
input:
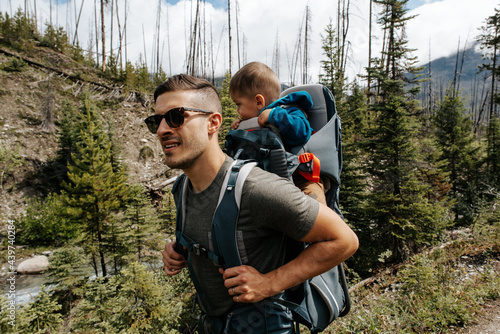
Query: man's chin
[{"x": 177, "y": 164}]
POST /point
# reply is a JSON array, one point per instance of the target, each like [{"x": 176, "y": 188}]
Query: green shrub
[
  {"x": 45, "y": 223},
  {"x": 431, "y": 293},
  {"x": 19, "y": 31},
  {"x": 14, "y": 65},
  {"x": 137, "y": 301},
  {"x": 40, "y": 316},
  {"x": 55, "y": 38}
]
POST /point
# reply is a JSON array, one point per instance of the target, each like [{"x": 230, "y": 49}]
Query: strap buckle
[
  {"x": 200, "y": 251},
  {"x": 307, "y": 157}
]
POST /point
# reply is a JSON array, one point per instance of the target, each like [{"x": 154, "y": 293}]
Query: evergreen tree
[
  {"x": 333, "y": 77},
  {"x": 493, "y": 156},
  {"x": 40, "y": 316},
  {"x": 67, "y": 274},
  {"x": 137, "y": 301},
  {"x": 455, "y": 136},
  {"x": 141, "y": 226},
  {"x": 229, "y": 114},
  {"x": 45, "y": 223},
  {"x": 353, "y": 187},
  {"x": 94, "y": 190},
  {"x": 402, "y": 217},
  {"x": 68, "y": 136}
]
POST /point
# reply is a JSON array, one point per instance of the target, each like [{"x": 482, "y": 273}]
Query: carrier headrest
[{"x": 323, "y": 104}]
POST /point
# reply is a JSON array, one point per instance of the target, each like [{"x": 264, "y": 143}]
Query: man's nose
[{"x": 163, "y": 128}]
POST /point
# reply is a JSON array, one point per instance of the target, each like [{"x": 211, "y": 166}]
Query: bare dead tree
[
  {"x": 75, "y": 37},
  {"x": 120, "y": 37},
  {"x": 193, "y": 44},
  {"x": 158, "y": 20},
  {"x": 47, "y": 108},
  {"x": 96, "y": 33},
  {"x": 238, "y": 32},
  {"x": 229, "y": 33},
  {"x": 125, "y": 29},
  {"x": 430, "y": 107},
  {"x": 370, "y": 46},
  {"x": 305, "y": 64},
  {"x": 103, "y": 36},
  {"x": 111, "y": 30},
  {"x": 168, "y": 44},
  {"x": 342, "y": 31},
  {"x": 276, "y": 55}
]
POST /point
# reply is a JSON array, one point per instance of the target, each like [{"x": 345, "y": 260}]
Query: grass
[{"x": 435, "y": 291}]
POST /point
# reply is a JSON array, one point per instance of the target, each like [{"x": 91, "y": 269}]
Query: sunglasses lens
[
  {"x": 175, "y": 117},
  {"x": 153, "y": 122}
]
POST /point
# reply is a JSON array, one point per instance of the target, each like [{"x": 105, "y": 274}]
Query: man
[{"x": 187, "y": 121}]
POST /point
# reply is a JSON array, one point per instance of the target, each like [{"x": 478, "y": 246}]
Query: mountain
[{"x": 465, "y": 65}]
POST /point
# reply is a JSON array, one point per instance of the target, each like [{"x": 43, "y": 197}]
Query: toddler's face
[{"x": 247, "y": 106}]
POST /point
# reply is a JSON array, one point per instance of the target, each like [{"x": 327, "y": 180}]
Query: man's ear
[
  {"x": 215, "y": 122},
  {"x": 260, "y": 101}
]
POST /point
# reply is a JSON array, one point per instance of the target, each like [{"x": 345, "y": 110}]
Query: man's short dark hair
[{"x": 185, "y": 82}]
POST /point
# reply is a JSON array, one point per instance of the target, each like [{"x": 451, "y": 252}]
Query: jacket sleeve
[
  {"x": 291, "y": 121},
  {"x": 292, "y": 125}
]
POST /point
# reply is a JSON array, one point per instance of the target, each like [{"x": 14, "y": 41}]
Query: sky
[{"x": 438, "y": 29}]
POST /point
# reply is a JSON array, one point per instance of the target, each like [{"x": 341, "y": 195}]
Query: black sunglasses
[{"x": 174, "y": 118}]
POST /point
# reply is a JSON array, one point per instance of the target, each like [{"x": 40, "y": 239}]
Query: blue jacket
[{"x": 291, "y": 122}]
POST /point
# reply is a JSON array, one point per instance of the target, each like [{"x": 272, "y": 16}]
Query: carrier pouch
[
  {"x": 265, "y": 147},
  {"x": 317, "y": 302},
  {"x": 264, "y": 317}
]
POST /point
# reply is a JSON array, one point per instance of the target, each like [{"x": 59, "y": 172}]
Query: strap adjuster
[
  {"x": 200, "y": 251},
  {"x": 307, "y": 157}
]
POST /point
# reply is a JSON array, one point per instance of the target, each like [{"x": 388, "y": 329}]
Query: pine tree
[
  {"x": 137, "y": 301},
  {"x": 45, "y": 223},
  {"x": 334, "y": 76},
  {"x": 94, "y": 190},
  {"x": 402, "y": 217},
  {"x": 68, "y": 276},
  {"x": 493, "y": 156},
  {"x": 68, "y": 136},
  {"x": 353, "y": 187},
  {"x": 40, "y": 316},
  {"x": 353, "y": 184},
  {"x": 229, "y": 114},
  {"x": 461, "y": 151},
  {"x": 141, "y": 225}
]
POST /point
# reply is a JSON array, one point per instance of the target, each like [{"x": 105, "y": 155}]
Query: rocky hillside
[{"x": 34, "y": 87}]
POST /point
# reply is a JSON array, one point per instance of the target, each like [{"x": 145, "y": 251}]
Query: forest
[{"x": 420, "y": 181}]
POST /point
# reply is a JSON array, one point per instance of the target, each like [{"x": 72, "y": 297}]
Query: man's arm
[{"x": 332, "y": 242}]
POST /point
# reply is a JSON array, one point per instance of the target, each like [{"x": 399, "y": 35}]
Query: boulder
[{"x": 35, "y": 265}]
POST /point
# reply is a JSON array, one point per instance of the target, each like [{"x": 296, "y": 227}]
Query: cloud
[
  {"x": 264, "y": 26},
  {"x": 440, "y": 26}
]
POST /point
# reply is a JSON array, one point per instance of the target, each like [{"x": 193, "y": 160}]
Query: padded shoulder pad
[
  {"x": 177, "y": 182},
  {"x": 323, "y": 104}
]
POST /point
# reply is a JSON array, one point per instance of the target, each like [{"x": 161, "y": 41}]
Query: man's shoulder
[{"x": 261, "y": 181}]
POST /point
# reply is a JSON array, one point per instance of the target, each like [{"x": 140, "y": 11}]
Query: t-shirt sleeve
[{"x": 278, "y": 204}]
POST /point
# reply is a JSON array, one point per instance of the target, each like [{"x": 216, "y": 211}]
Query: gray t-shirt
[{"x": 270, "y": 207}]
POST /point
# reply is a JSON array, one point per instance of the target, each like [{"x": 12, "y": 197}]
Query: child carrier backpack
[
  {"x": 320, "y": 300},
  {"x": 320, "y": 156}
]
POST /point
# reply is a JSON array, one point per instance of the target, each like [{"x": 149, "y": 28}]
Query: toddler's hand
[
  {"x": 236, "y": 124},
  {"x": 264, "y": 118}
]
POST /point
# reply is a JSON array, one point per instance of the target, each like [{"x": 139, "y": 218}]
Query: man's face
[
  {"x": 182, "y": 146},
  {"x": 247, "y": 107}
]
